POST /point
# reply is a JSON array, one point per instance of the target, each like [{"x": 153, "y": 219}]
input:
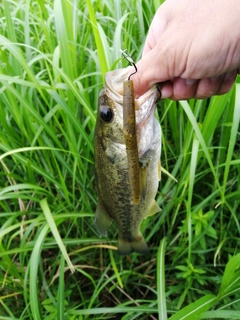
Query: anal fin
[
  {"x": 102, "y": 220},
  {"x": 154, "y": 208}
]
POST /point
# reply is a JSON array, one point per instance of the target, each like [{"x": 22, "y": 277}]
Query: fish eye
[{"x": 106, "y": 114}]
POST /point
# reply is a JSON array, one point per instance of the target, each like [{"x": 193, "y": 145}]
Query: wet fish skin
[{"x": 111, "y": 165}]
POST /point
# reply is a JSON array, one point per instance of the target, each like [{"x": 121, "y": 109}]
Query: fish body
[{"x": 112, "y": 167}]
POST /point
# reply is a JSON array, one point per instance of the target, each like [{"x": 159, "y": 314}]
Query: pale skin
[{"x": 192, "y": 49}]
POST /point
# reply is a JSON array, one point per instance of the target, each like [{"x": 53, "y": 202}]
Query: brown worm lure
[{"x": 130, "y": 136}]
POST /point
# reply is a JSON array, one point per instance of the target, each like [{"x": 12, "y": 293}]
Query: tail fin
[{"x": 138, "y": 245}]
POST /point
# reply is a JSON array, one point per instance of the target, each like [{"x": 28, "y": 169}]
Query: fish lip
[{"x": 114, "y": 89}]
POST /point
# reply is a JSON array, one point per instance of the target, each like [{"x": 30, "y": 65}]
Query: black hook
[{"x": 130, "y": 60}]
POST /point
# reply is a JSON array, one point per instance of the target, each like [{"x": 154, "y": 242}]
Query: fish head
[
  {"x": 109, "y": 118},
  {"x": 144, "y": 108}
]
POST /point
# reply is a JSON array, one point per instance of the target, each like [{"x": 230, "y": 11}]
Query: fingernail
[
  {"x": 230, "y": 75},
  {"x": 190, "y": 82},
  {"x": 166, "y": 90}
]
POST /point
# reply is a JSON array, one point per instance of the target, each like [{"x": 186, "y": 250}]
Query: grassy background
[{"x": 53, "y": 265}]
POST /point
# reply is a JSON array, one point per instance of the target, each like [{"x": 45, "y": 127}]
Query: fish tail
[{"x": 138, "y": 245}]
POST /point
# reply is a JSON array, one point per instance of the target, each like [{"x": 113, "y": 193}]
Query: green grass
[{"x": 53, "y": 265}]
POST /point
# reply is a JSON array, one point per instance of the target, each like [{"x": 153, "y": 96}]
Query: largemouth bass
[{"x": 111, "y": 164}]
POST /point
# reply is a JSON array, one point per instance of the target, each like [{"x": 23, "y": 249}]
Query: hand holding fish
[{"x": 192, "y": 49}]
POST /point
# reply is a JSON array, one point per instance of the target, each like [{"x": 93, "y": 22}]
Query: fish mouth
[{"x": 144, "y": 105}]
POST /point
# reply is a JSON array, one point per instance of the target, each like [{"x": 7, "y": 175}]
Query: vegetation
[{"x": 53, "y": 265}]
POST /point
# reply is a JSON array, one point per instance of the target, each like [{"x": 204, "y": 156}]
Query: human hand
[{"x": 192, "y": 49}]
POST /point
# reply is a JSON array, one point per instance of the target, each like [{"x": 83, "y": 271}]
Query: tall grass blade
[
  {"x": 233, "y": 135},
  {"x": 195, "y": 309},
  {"x": 193, "y": 165},
  {"x": 115, "y": 310},
  {"x": 61, "y": 286},
  {"x": 195, "y": 127},
  {"x": 220, "y": 314},
  {"x": 162, "y": 308},
  {"x": 231, "y": 277},
  {"x": 98, "y": 41},
  {"x": 215, "y": 110},
  {"x": 115, "y": 269},
  {"x": 53, "y": 227},
  {"x": 33, "y": 276}
]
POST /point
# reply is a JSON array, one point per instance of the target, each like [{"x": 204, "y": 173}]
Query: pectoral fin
[
  {"x": 154, "y": 208},
  {"x": 102, "y": 220}
]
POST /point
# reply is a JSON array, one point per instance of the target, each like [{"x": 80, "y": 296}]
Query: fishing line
[
  {"x": 93, "y": 24},
  {"x": 123, "y": 52}
]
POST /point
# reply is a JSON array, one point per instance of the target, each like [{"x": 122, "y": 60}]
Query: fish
[{"x": 111, "y": 165}]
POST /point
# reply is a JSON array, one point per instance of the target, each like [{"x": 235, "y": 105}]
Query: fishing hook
[{"x": 130, "y": 60}]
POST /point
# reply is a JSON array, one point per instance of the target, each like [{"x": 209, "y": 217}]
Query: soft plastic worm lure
[{"x": 130, "y": 135}]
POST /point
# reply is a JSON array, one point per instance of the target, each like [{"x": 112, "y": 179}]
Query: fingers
[
  {"x": 177, "y": 48},
  {"x": 228, "y": 82},
  {"x": 183, "y": 89},
  {"x": 153, "y": 66}
]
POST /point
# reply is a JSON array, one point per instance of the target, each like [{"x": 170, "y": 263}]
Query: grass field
[{"x": 53, "y": 265}]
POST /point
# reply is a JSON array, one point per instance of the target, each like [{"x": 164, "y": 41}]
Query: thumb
[{"x": 151, "y": 69}]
